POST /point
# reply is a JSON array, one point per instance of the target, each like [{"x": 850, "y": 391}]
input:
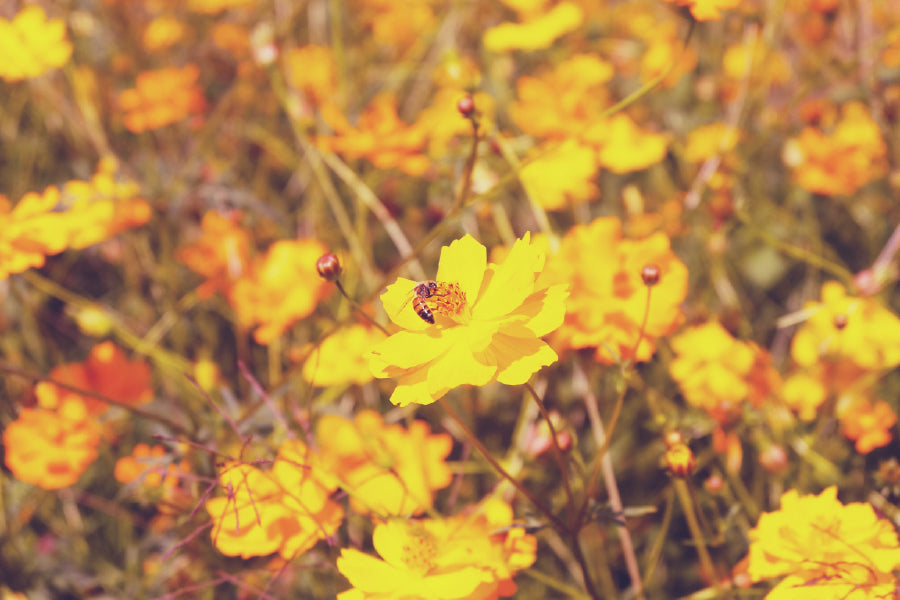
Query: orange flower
[
  {"x": 868, "y": 424},
  {"x": 445, "y": 127},
  {"x": 51, "y": 448},
  {"x": 562, "y": 102},
  {"x": 221, "y": 255},
  {"x": 846, "y": 328},
  {"x": 536, "y": 31},
  {"x": 472, "y": 556},
  {"x": 155, "y": 474},
  {"x": 373, "y": 463},
  {"x": 842, "y": 161},
  {"x": 342, "y": 358},
  {"x": 31, "y": 45},
  {"x": 103, "y": 207},
  {"x": 379, "y": 136},
  {"x": 162, "y": 97},
  {"x": 212, "y": 7},
  {"x": 312, "y": 70},
  {"x": 394, "y": 24},
  {"x": 163, "y": 32},
  {"x": 280, "y": 289},
  {"x": 106, "y": 371},
  {"x": 285, "y": 510},
  {"x": 624, "y": 146},
  {"x": 31, "y": 231},
  {"x": 606, "y": 307},
  {"x": 707, "y": 10},
  {"x": 562, "y": 175}
]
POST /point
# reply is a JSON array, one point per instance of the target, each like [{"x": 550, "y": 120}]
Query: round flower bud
[
  {"x": 466, "y": 106},
  {"x": 840, "y": 321},
  {"x": 680, "y": 460},
  {"x": 774, "y": 459},
  {"x": 328, "y": 266},
  {"x": 650, "y": 275}
]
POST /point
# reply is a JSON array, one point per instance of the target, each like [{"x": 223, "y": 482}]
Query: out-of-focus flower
[
  {"x": 842, "y": 327},
  {"x": 31, "y": 45},
  {"x": 379, "y": 136},
  {"x": 443, "y": 124},
  {"x": 51, "y": 448},
  {"x": 280, "y": 289},
  {"x": 825, "y": 549},
  {"x": 625, "y": 147},
  {"x": 868, "y": 424},
  {"x": 535, "y": 32},
  {"x": 842, "y": 161},
  {"x": 162, "y": 97},
  {"x": 890, "y": 56},
  {"x": 538, "y": 438},
  {"x": 163, "y": 32},
  {"x": 397, "y": 25},
  {"x": 755, "y": 65},
  {"x": 374, "y": 463},
  {"x": 562, "y": 102},
  {"x": 102, "y": 207},
  {"x": 286, "y": 509},
  {"x": 221, "y": 254},
  {"x": 561, "y": 175},
  {"x": 106, "y": 371},
  {"x": 707, "y": 10},
  {"x": 487, "y": 321},
  {"x": 663, "y": 47},
  {"x": 804, "y": 392},
  {"x": 212, "y": 7},
  {"x": 233, "y": 38},
  {"x": 342, "y": 358},
  {"x": 608, "y": 301},
  {"x": 312, "y": 70},
  {"x": 717, "y": 372},
  {"x": 473, "y": 556},
  {"x": 157, "y": 476},
  {"x": 31, "y": 231},
  {"x": 710, "y": 140}
]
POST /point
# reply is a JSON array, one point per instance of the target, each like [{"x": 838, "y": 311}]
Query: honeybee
[{"x": 446, "y": 296}]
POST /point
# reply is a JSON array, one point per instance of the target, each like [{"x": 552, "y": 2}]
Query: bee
[{"x": 446, "y": 296}]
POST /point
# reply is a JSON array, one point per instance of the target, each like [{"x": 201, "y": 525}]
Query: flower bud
[
  {"x": 650, "y": 275},
  {"x": 680, "y": 460},
  {"x": 466, "y": 106},
  {"x": 328, "y": 266},
  {"x": 840, "y": 321}
]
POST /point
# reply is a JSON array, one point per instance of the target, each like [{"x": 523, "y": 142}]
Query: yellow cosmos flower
[{"x": 488, "y": 320}]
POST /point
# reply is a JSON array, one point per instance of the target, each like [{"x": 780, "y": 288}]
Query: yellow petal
[
  {"x": 544, "y": 310},
  {"x": 407, "y": 349},
  {"x": 457, "y": 367},
  {"x": 397, "y": 302},
  {"x": 509, "y": 284},
  {"x": 463, "y": 262},
  {"x": 518, "y": 355},
  {"x": 413, "y": 389}
]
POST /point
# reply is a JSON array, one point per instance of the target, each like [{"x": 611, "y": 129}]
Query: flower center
[{"x": 448, "y": 299}]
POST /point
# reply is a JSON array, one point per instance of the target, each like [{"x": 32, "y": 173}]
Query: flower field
[{"x": 450, "y": 299}]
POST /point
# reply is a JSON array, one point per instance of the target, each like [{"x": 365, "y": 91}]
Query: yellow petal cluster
[
  {"x": 31, "y": 45},
  {"x": 536, "y": 32},
  {"x": 493, "y": 335}
]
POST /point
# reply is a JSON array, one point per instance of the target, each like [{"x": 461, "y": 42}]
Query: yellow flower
[
  {"x": 31, "y": 231},
  {"x": 562, "y": 175},
  {"x": 31, "y": 45},
  {"x": 859, "y": 330},
  {"x": 707, "y": 10},
  {"x": 624, "y": 146},
  {"x": 373, "y": 462},
  {"x": 537, "y": 32},
  {"x": 342, "y": 358},
  {"x": 467, "y": 556},
  {"x": 827, "y": 549},
  {"x": 488, "y": 320}
]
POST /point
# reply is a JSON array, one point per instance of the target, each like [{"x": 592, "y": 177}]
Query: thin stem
[
  {"x": 557, "y": 524},
  {"x": 687, "y": 505},
  {"x": 358, "y": 308},
  {"x": 469, "y": 167},
  {"x": 557, "y": 451}
]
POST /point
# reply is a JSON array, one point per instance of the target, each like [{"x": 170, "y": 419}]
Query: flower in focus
[
  {"x": 840, "y": 162},
  {"x": 31, "y": 231},
  {"x": 717, "y": 372},
  {"x": 606, "y": 309},
  {"x": 102, "y": 207},
  {"x": 561, "y": 103},
  {"x": 537, "y": 30},
  {"x": 562, "y": 175},
  {"x": 286, "y": 509},
  {"x": 162, "y": 97},
  {"x": 840, "y": 327},
  {"x": 379, "y": 136},
  {"x": 31, "y": 45},
  {"x": 625, "y": 147},
  {"x": 487, "y": 323},
  {"x": 106, "y": 371},
  {"x": 825, "y": 549},
  {"x": 280, "y": 289},
  {"x": 220, "y": 255},
  {"x": 472, "y": 556},
  {"x": 342, "y": 358},
  {"x": 51, "y": 448},
  {"x": 707, "y": 10},
  {"x": 372, "y": 461},
  {"x": 868, "y": 424}
]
